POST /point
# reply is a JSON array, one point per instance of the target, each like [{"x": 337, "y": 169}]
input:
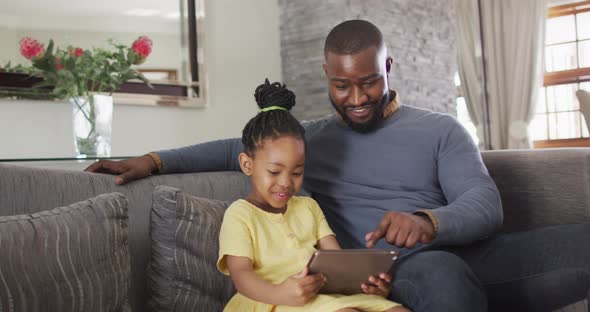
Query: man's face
[{"x": 358, "y": 86}]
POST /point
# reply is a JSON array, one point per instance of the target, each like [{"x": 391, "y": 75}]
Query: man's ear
[
  {"x": 245, "y": 163},
  {"x": 388, "y": 63},
  {"x": 325, "y": 67}
]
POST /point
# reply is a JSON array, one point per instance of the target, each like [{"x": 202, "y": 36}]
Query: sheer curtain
[
  {"x": 513, "y": 34},
  {"x": 470, "y": 63}
]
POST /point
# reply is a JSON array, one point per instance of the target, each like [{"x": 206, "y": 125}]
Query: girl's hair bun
[{"x": 275, "y": 94}]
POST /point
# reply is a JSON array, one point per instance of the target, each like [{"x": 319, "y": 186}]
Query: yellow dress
[{"x": 280, "y": 246}]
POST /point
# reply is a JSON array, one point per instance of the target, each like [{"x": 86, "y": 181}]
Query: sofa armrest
[{"x": 541, "y": 187}]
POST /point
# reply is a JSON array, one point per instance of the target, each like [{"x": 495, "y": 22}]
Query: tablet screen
[{"x": 347, "y": 269}]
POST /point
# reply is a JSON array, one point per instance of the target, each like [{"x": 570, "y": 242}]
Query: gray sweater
[{"x": 416, "y": 160}]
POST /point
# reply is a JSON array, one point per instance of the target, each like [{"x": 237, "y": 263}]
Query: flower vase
[{"x": 92, "y": 119}]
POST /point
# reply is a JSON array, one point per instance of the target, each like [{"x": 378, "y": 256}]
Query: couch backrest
[
  {"x": 541, "y": 187},
  {"x": 29, "y": 190}
]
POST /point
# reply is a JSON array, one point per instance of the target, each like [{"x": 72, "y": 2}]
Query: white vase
[{"x": 92, "y": 122}]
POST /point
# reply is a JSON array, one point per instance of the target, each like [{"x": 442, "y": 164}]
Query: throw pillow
[
  {"x": 72, "y": 258},
  {"x": 182, "y": 274}
]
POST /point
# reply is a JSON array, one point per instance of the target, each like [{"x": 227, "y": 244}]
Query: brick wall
[{"x": 419, "y": 34}]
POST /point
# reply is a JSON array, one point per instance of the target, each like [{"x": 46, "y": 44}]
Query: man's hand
[
  {"x": 402, "y": 230},
  {"x": 379, "y": 285},
  {"x": 126, "y": 170},
  {"x": 301, "y": 288}
]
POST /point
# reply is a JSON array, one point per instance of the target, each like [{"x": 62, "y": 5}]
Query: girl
[{"x": 267, "y": 238}]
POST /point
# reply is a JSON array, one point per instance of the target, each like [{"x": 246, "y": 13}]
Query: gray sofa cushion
[
  {"x": 182, "y": 274},
  {"x": 72, "y": 258}
]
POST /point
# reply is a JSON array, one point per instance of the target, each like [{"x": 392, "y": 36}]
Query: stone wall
[{"x": 420, "y": 36}]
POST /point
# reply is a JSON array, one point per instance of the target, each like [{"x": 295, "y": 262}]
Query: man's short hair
[{"x": 352, "y": 36}]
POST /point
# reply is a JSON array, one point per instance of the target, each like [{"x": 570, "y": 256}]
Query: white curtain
[
  {"x": 513, "y": 42},
  {"x": 470, "y": 63}
]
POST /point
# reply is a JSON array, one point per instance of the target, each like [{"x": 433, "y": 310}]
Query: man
[{"x": 386, "y": 174}]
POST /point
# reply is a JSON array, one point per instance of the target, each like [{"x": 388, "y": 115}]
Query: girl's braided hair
[{"x": 277, "y": 121}]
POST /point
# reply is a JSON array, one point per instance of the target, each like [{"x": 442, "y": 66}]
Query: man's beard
[{"x": 371, "y": 124}]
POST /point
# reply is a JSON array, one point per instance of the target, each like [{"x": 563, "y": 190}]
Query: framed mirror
[{"x": 175, "y": 67}]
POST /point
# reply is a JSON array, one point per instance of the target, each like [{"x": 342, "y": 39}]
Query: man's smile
[{"x": 360, "y": 112}]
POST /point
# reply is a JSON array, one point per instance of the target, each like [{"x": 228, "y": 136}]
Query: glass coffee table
[{"x": 66, "y": 163}]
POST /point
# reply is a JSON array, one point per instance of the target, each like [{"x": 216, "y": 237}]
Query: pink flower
[
  {"x": 143, "y": 47},
  {"x": 76, "y": 52},
  {"x": 30, "y": 48},
  {"x": 58, "y": 63}
]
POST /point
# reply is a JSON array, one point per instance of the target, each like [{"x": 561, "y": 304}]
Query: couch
[{"x": 538, "y": 188}]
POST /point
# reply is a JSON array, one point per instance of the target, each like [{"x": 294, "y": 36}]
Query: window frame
[{"x": 563, "y": 77}]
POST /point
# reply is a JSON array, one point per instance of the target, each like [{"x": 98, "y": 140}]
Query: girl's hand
[
  {"x": 301, "y": 288},
  {"x": 381, "y": 285}
]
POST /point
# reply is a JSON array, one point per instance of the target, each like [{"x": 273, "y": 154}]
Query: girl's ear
[{"x": 245, "y": 163}]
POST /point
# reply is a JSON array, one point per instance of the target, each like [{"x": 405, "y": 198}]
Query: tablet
[{"x": 347, "y": 269}]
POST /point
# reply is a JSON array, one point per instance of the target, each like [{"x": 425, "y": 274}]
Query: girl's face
[{"x": 276, "y": 170}]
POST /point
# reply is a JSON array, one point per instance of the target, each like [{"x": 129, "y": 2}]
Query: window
[{"x": 567, "y": 69}]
